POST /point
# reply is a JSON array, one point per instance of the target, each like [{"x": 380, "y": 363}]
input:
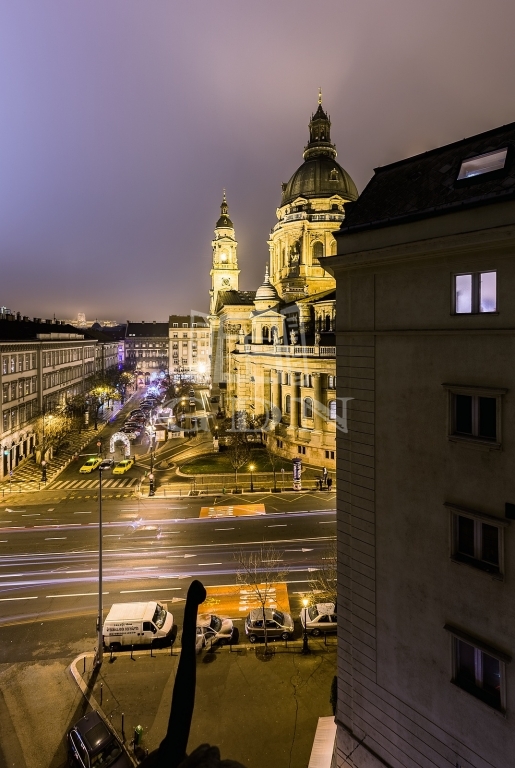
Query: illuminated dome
[
  {"x": 266, "y": 291},
  {"x": 319, "y": 175}
]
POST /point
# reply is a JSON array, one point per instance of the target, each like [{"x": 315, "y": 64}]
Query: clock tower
[{"x": 224, "y": 270}]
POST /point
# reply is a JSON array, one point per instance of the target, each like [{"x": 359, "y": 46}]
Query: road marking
[
  {"x": 78, "y": 594},
  {"x": 51, "y": 509},
  {"x": 209, "y": 563},
  {"x": 76, "y": 513},
  {"x": 224, "y": 529},
  {"x": 5, "y": 599},
  {"x": 144, "y": 567},
  {"x": 4, "y": 541},
  {"x": 5, "y": 521},
  {"x": 304, "y": 549},
  {"x": 87, "y": 570},
  {"x": 55, "y": 538},
  {"x": 32, "y": 514},
  {"x": 278, "y": 525},
  {"x": 159, "y": 589},
  {"x": 112, "y": 535},
  {"x": 326, "y": 522}
]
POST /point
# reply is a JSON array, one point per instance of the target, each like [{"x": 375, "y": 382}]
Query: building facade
[
  {"x": 274, "y": 349},
  {"x": 426, "y": 490},
  {"x": 189, "y": 348},
  {"x": 42, "y": 365},
  {"x": 146, "y": 349}
]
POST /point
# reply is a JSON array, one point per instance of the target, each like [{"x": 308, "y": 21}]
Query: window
[
  {"x": 185, "y": 325},
  {"x": 331, "y": 382},
  {"x": 477, "y": 539},
  {"x": 5, "y": 421},
  {"x": 475, "y": 292},
  {"x": 266, "y": 333},
  {"x": 287, "y": 378},
  {"x": 175, "y": 325},
  {"x": 308, "y": 408},
  {"x": 5, "y": 365},
  {"x": 301, "y": 449},
  {"x": 307, "y": 380},
  {"x": 475, "y": 414},
  {"x": 13, "y": 365},
  {"x": 332, "y": 409},
  {"x": 476, "y": 166},
  {"x": 478, "y": 668},
  {"x": 5, "y": 393},
  {"x": 329, "y": 454},
  {"x": 327, "y": 323},
  {"x": 279, "y": 443},
  {"x": 287, "y": 404},
  {"x": 318, "y": 250}
]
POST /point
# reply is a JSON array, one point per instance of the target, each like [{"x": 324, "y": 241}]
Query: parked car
[
  {"x": 136, "y": 412},
  {"x": 91, "y": 464},
  {"x": 123, "y": 466},
  {"x": 106, "y": 464},
  {"x": 278, "y": 624},
  {"x": 319, "y": 618},
  {"x": 91, "y": 742},
  {"x": 131, "y": 432},
  {"x": 211, "y": 628}
]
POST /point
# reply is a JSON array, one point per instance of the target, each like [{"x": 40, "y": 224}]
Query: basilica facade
[{"x": 274, "y": 349}]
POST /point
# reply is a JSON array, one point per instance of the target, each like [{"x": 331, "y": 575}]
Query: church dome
[
  {"x": 266, "y": 291},
  {"x": 319, "y": 175}
]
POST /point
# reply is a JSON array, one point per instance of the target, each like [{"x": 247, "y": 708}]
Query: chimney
[{"x": 18, "y": 316}]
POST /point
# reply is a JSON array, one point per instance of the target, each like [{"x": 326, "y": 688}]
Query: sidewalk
[{"x": 241, "y": 697}]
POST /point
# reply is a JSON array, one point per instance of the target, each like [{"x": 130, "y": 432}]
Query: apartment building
[
  {"x": 425, "y": 273},
  {"x": 189, "y": 347},
  {"x": 146, "y": 348}
]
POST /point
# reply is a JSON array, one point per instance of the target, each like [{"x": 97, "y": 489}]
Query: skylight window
[{"x": 476, "y": 166}]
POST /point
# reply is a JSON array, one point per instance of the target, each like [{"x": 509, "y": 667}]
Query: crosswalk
[{"x": 85, "y": 485}]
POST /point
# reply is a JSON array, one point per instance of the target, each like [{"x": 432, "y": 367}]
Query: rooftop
[
  {"x": 428, "y": 185},
  {"x": 147, "y": 330}
]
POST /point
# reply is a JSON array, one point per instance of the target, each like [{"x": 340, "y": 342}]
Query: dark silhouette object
[
  {"x": 329, "y": 483},
  {"x": 172, "y": 750}
]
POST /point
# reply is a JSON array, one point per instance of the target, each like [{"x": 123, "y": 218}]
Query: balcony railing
[{"x": 287, "y": 350}]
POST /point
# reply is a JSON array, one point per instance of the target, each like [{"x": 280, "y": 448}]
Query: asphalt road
[{"x": 152, "y": 550}]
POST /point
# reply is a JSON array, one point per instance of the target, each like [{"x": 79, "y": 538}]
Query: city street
[{"x": 152, "y": 550}]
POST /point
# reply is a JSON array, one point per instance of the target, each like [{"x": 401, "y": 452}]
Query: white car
[
  {"x": 319, "y": 618},
  {"x": 213, "y": 629}
]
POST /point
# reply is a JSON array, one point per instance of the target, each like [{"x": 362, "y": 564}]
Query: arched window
[
  {"x": 275, "y": 334},
  {"x": 319, "y": 323},
  {"x": 266, "y": 333},
  {"x": 318, "y": 250},
  {"x": 308, "y": 408},
  {"x": 287, "y": 404},
  {"x": 330, "y": 382},
  {"x": 332, "y": 409},
  {"x": 333, "y": 248},
  {"x": 327, "y": 323}
]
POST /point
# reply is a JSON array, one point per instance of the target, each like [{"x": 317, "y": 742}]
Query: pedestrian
[
  {"x": 329, "y": 483},
  {"x": 324, "y": 475},
  {"x": 320, "y": 483}
]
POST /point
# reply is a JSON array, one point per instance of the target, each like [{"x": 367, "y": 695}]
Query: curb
[{"x": 93, "y": 703}]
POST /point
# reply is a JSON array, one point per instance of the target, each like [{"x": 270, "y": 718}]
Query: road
[{"x": 152, "y": 550}]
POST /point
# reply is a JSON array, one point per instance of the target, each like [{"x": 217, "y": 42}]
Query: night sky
[{"x": 122, "y": 120}]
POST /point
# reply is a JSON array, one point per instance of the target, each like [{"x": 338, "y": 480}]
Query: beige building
[
  {"x": 273, "y": 350},
  {"x": 189, "y": 347},
  {"x": 42, "y": 364},
  {"x": 426, "y": 489}
]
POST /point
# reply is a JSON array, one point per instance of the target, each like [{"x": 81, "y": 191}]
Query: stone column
[
  {"x": 276, "y": 391},
  {"x": 319, "y": 410},
  {"x": 295, "y": 399}
]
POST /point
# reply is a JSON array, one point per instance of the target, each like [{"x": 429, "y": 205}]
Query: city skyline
[{"x": 114, "y": 163}]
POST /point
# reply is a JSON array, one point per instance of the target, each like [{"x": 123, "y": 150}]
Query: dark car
[
  {"x": 107, "y": 464},
  {"x": 91, "y": 742},
  {"x": 137, "y": 412}
]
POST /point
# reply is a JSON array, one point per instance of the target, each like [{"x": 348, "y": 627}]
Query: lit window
[
  {"x": 308, "y": 408},
  {"x": 478, "y": 668},
  {"x": 332, "y": 410},
  {"x": 476, "y": 166},
  {"x": 475, "y": 292}
]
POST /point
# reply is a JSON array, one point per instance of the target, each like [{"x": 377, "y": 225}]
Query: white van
[{"x": 136, "y": 624}]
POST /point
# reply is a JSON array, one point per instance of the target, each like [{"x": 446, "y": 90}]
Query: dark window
[
  {"x": 478, "y": 673},
  {"x": 477, "y": 543},
  {"x": 475, "y": 416}
]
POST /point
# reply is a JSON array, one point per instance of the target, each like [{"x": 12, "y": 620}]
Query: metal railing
[{"x": 289, "y": 350}]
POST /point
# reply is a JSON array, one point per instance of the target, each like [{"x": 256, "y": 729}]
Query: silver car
[
  {"x": 319, "y": 618},
  {"x": 278, "y": 624},
  {"x": 213, "y": 629}
]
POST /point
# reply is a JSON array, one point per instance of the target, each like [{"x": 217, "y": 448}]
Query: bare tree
[
  {"x": 239, "y": 454},
  {"x": 323, "y": 581},
  {"x": 259, "y": 570}
]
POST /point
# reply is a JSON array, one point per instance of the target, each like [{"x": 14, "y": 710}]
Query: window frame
[
  {"x": 479, "y": 518},
  {"x": 474, "y": 392},
  {"x": 483, "y": 648},
  {"x": 476, "y": 293}
]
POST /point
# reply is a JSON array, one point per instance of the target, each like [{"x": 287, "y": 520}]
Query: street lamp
[
  {"x": 100, "y": 640},
  {"x": 43, "y": 471},
  {"x": 305, "y": 645},
  {"x": 99, "y": 446},
  {"x": 252, "y": 468},
  {"x": 151, "y": 490}
]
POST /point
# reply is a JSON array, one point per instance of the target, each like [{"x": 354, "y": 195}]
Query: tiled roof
[
  {"x": 28, "y": 330},
  {"x": 147, "y": 330},
  {"x": 200, "y": 321},
  {"x": 426, "y": 185},
  {"x": 235, "y": 298}
]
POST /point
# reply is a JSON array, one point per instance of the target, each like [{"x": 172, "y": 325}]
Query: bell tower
[{"x": 224, "y": 269}]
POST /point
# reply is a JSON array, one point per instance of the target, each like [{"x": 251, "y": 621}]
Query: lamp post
[
  {"x": 100, "y": 640},
  {"x": 305, "y": 644},
  {"x": 151, "y": 490},
  {"x": 252, "y": 468},
  {"x": 43, "y": 471},
  {"x": 99, "y": 446}
]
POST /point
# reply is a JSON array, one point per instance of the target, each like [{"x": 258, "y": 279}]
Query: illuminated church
[{"x": 273, "y": 350}]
